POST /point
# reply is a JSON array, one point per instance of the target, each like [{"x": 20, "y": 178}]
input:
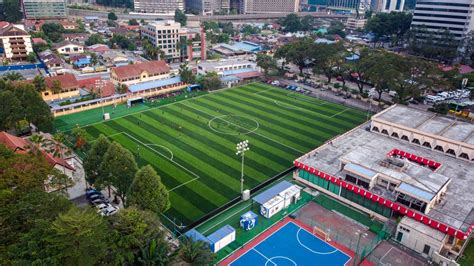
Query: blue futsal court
[{"x": 292, "y": 245}]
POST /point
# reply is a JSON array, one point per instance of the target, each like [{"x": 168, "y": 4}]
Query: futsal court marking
[
  {"x": 297, "y": 237},
  {"x": 386, "y": 253},
  {"x": 256, "y": 133},
  {"x": 150, "y": 146}
]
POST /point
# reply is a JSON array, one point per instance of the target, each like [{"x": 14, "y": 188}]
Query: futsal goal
[{"x": 321, "y": 233}]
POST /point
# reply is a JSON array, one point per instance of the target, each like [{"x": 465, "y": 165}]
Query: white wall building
[
  {"x": 67, "y": 48},
  {"x": 158, "y": 6},
  {"x": 387, "y": 6},
  {"x": 438, "y": 15},
  {"x": 222, "y": 66},
  {"x": 269, "y": 6}
]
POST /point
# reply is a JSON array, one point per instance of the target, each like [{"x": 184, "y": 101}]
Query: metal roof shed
[{"x": 272, "y": 192}]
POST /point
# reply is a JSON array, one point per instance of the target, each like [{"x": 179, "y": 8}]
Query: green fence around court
[{"x": 232, "y": 218}]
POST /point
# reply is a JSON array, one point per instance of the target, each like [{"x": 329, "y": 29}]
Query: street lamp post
[
  {"x": 100, "y": 84},
  {"x": 241, "y": 148}
]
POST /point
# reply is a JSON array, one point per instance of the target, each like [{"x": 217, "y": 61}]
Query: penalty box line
[
  {"x": 239, "y": 126},
  {"x": 196, "y": 176}
]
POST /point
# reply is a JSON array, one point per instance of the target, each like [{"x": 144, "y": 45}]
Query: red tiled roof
[
  {"x": 13, "y": 143},
  {"x": 38, "y": 41},
  {"x": 152, "y": 67},
  {"x": 4, "y": 24},
  {"x": 90, "y": 85},
  {"x": 67, "y": 81},
  {"x": 248, "y": 75},
  {"x": 56, "y": 160}
]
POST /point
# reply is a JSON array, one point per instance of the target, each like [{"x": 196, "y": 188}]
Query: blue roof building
[{"x": 139, "y": 87}]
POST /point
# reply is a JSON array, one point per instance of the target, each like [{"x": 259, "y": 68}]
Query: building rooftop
[
  {"x": 153, "y": 84},
  {"x": 427, "y": 122},
  {"x": 367, "y": 149},
  {"x": 221, "y": 63},
  {"x": 135, "y": 70}
]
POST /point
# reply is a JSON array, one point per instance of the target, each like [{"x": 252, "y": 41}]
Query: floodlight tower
[{"x": 241, "y": 148}]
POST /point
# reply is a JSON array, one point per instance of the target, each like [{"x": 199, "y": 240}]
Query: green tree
[
  {"x": 337, "y": 27},
  {"x": 118, "y": 169},
  {"x": 132, "y": 229},
  {"x": 291, "y": 23},
  {"x": 33, "y": 108},
  {"x": 360, "y": 68},
  {"x": 53, "y": 31},
  {"x": 94, "y": 159},
  {"x": 180, "y": 17},
  {"x": 147, "y": 192},
  {"x": 157, "y": 252},
  {"x": 307, "y": 23},
  {"x": 299, "y": 52},
  {"x": 80, "y": 140},
  {"x": 266, "y": 62},
  {"x": 79, "y": 237},
  {"x": 31, "y": 57},
  {"x": 94, "y": 39},
  {"x": 39, "y": 83},
  {"x": 327, "y": 57},
  {"x": 13, "y": 76},
  {"x": 186, "y": 74},
  {"x": 381, "y": 72},
  {"x": 211, "y": 81},
  {"x": 10, "y": 11},
  {"x": 56, "y": 88},
  {"x": 112, "y": 16},
  {"x": 133, "y": 22},
  {"x": 195, "y": 252},
  {"x": 9, "y": 113}
]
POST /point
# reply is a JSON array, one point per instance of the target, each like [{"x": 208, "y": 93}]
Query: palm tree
[
  {"x": 195, "y": 252},
  {"x": 156, "y": 253},
  {"x": 39, "y": 83},
  {"x": 38, "y": 142},
  {"x": 13, "y": 76}
]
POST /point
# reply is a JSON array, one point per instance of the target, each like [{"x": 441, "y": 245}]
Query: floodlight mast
[{"x": 241, "y": 148}]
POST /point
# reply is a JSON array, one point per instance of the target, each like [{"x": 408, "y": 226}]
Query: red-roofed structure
[
  {"x": 14, "y": 143},
  {"x": 90, "y": 85},
  {"x": 140, "y": 72}
]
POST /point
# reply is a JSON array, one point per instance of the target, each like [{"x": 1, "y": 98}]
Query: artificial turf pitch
[{"x": 191, "y": 143}]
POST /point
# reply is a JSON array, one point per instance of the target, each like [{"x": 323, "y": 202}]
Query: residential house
[
  {"x": 68, "y": 47},
  {"x": 76, "y": 37},
  {"x": 51, "y": 60}
]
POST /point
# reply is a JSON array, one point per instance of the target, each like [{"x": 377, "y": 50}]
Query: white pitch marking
[
  {"x": 315, "y": 252},
  {"x": 268, "y": 260},
  {"x": 243, "y": 128}
]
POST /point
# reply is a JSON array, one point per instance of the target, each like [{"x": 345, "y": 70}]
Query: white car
[
  {"x": 110, "y": 210},
  {"x": 103, "y": 206}
]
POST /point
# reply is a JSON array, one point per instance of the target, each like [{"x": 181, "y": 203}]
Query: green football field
[{"x": 191, "y": 143}]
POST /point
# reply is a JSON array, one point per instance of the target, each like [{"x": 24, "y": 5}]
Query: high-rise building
[
  {"x": 158, "y": 6},
  {"x": 344, "y": 4},
  {"x": 387, "y": 6},
  {"x": 44, "y": 9},
  {"x": 269, "y": 6},
  {"x": 207, "y": 6},
  {"x": 178, "y": 44},
  {"x": 438, "y": 15}
]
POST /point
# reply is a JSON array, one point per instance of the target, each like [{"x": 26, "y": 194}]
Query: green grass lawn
[{"x": 191, "y": 143}]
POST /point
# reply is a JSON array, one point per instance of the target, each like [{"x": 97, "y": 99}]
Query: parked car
[
  {"x": 110, "y": 210},
  {"x": 99, "y": 201}
]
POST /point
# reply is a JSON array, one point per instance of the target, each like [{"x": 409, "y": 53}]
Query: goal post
[{"x": 321, "y": 233}]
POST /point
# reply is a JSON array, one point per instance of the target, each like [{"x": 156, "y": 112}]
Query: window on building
[
  {"x": 416, "y": 141},
  {"x": 427, "y": 144},
  {"x": 399, "y": 236},
  {"x": 439, "y": 148},
  {"x": 404, "y": 137},
  {"x": 451, "y": 151},
  {"x": 384, "y": 131},
  {"x": 395, "y": 134},
  {"x": 351, "y": 179},
  {"x": 426, "y": 249},
  {"x": 376, "y": 129},
  {"x": 464, "y": 156}
]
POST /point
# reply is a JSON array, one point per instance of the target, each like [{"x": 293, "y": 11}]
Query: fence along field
[{"x": 191, "y": 143}]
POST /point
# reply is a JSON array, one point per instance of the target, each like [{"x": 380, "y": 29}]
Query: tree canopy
[
  {"x": 147, "y": 192},
  {"x": 180, "y": 17}
]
